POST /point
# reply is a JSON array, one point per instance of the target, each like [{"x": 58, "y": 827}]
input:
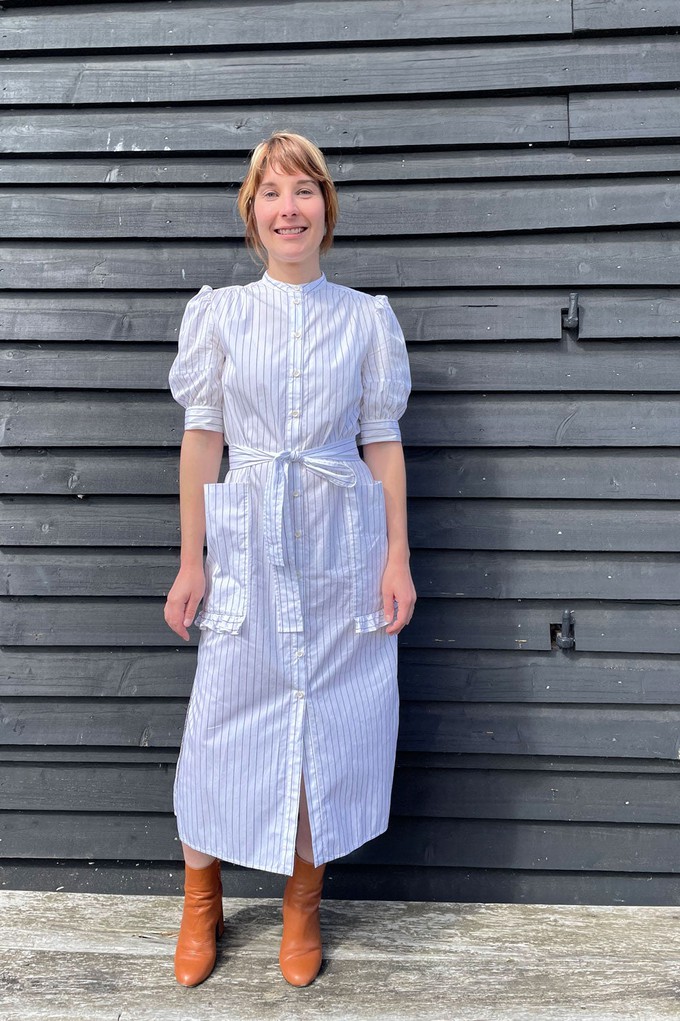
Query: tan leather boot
[
  {"x": 202, "y": 924},
  {"x": 300, "y": 954}
]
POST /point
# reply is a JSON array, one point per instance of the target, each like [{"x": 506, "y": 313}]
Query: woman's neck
[{"x": 294, "y": 273}]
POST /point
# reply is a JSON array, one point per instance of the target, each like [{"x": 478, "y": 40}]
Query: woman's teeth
[{"x": 289, "y": 230}]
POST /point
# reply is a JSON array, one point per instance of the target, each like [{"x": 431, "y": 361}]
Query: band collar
[{"x": 295, "y": 288}]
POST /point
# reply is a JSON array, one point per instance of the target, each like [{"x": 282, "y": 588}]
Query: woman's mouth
[{"x": 289, "y": 231}]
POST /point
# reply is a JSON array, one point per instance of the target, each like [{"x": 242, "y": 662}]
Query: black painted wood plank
[
  {"x": 554, "y": 846},
  {"x": 432, "y": 314},
  {"x": 354, "y": 166},
  {"x": 126, "y": 367},
  {"x": 435, "y": 674},
  {"x": 537, "y": 367},
  {"x": 443, "y": 208},
  {"x": 449, "y": 314},
  {"x": 60, "y": 787},
  {"x": 624, "y": 313},
  {"x": 645, "y": 627},
  {"x": 570, "y": 420},
  {"x": 645, "y": 115},
  {"x": 461, "y": 843},
  {"x": 461, "y": 761},
  {"x": 138, "y": 723},
  {"x": 561, "y": 765},
  {"x": 89, "y": 672},
  {"x": 104, "y": 572},
  {"x": 58, "y": 472},
  {"x": 460, "y": 367},
  {"x": 338, "y": 125},
  {"x": 621, "y": 366},
  {"x": 437, "y": 793},
  {"x": 95, "y": 316},
  {"x": 503, "y": 794},
  {"x": 159, "y": 756},
  {"x": 540, "y": 730},
  {"x": 595, "y": 525},
  {"x": 69, "y": 522},
  {"x": 603, "y": 626},
  {"x": 357, "y": 882},
  {"x": 339, "y": 22},
  {"x": 448, "y": 574},
  {"x": 541, "y": 474},
  {"x": 53, "y": 418},
  {"x": 352, "y": 72},
  {"x": 526, "y": 575},
  {"x": 522, "y": 524},
  {"x": 610, "y": 474},
  {"x": 424, "y": 726},
  {"x": 625, "y": 257},
  {"x": 499, "y": 676},
  {"x": 616, "y": 15}
]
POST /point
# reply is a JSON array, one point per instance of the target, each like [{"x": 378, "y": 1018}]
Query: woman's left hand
[{"x": 397, "y": 584}]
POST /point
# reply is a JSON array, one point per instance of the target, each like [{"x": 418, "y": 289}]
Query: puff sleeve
[
  {"x": 195, "y": 376},
  {"x": 385, "y": 377}
]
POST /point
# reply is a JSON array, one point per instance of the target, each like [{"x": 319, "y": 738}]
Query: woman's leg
[
  {"x": 301, "y": 951},
  {"x": 303, "y": 844},
  {"x": 196, "y": 859}
]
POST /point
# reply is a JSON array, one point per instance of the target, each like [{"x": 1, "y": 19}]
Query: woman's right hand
[{"x": 183, "y": 599}]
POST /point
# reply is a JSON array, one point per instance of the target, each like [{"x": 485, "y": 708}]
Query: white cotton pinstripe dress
[{"x": 295, "y": 670}]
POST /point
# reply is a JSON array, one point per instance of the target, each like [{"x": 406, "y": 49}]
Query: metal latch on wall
[
  {"x": 563, "y": 637},
  {"x": 570, "y": 319}
]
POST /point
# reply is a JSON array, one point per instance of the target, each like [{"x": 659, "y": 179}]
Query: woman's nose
[{"x": 289, "y": 205}]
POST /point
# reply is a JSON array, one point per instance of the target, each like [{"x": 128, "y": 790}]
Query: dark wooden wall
[{"x": 492, "y": 158}]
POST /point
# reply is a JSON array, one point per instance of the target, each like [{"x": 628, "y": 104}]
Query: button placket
[{"x": 293, "y": 438}]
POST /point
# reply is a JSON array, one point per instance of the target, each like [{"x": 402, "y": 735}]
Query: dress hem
[{"x": 266, "y": 868}]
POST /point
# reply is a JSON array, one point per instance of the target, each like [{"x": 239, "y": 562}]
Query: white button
[
  {"x": 299, "y": 652},
  {"x": 295, "y": 414},
  {"x": 296, "y": 372},
  {"x": 299, "y": 694},
  {"x": 299, "y": 574},
  {"x": 297, "y": 334},
  {"x": 296, "y": 301},
  {"x": 298, "y": 533},
  {"x": 296, "y": 492}
]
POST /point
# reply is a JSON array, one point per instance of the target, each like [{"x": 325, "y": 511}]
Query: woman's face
[{"x": 290, "y": 217}]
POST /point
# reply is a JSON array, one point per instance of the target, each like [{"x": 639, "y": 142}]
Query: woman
[{"x": 287, "y": 755}]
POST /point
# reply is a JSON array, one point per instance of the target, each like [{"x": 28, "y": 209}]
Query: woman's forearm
[
  {"x": 199, "y": 462},
  {"x": 386, "y": 463}
]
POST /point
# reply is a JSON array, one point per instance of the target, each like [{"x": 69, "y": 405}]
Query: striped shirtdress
[{"x": 296, "y": 674}]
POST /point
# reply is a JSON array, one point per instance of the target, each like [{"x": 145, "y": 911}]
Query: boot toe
[
  {"x": 190, "y": 973},
  {"x": 302, "y": 970}
]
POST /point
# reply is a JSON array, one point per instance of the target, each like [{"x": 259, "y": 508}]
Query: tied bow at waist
[{"x": 326, "y": 461}]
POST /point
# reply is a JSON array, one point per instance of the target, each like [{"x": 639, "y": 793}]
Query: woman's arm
[
  {"x": 200, "y": 460},
  {"x": 386, "y": 463}
]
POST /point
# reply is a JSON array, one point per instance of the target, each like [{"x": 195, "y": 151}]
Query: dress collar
[{"x": 294, "y": 288}]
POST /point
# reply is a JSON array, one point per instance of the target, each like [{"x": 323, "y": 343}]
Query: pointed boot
[
  {"x": 300, "y": 953},
  {"x": 202, "y": 924}
]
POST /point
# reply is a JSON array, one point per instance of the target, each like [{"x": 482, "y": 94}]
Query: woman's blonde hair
[{"x": 290, "y": 154}]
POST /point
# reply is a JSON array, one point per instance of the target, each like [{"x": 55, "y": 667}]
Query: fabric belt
[{"x": 326, "y": 461}]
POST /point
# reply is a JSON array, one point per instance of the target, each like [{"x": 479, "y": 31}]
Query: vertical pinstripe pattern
[{"x": 295, "y": 671}]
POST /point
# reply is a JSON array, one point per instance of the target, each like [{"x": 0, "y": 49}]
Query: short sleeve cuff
[
  {"x": 379, "y": 432},
  {"x": 204, "y": 418}
]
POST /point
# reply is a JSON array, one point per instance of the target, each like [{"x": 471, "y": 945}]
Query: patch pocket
[
  {"x": 368, "y": 539},
  {"x": 227, "y": 562}
]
